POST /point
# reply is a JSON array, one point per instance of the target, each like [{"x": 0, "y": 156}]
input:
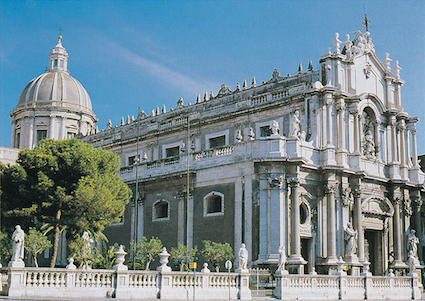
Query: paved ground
[
  {"x": 259, "y": 298},
  {"x": 109, "y": 299}
]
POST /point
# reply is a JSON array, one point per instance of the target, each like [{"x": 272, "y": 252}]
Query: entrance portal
[{"x": 373, "y": 251}]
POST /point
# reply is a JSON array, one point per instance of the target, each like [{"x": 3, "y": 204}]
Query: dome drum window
[
  {"x": 214, "y": 204},
  {"x": 160, "y": 211}
]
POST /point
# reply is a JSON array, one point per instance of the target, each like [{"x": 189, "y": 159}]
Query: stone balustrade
[
  {"x": 123, "y": 284},
  {"x": 325, "y": 287}
]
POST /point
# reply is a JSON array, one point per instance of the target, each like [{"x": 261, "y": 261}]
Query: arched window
[
  {"x": 161, "y": 210},
  {"x": 214, "y": 203}
]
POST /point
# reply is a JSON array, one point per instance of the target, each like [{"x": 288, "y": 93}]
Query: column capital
[
  {"x": 397, "y": 201},
  {"x": 347, "y": 197},
  {"x": 330, "y": 188},
  {"x": 418, "y": 202},
  {"x": 357, "y": 192},
  {"x": 294, "y": 182},
  {"x": 276, "y": 182},
  {"x": 407, "y": 202}
]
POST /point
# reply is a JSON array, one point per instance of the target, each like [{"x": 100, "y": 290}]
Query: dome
[
  {"x": 53, "y": 105},
  {"x": 55, "y": 89}
]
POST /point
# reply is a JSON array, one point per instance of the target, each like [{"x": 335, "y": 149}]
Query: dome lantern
[{"x": 58, "y": 58}]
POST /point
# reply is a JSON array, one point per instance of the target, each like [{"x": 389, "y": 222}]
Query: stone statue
[
  {"x": 18, "y": 237},
  {"x": 243, "y": 257},
  {"x": 86, "y": 251},
  {"x": 351, "y": 240},
  {"x": 413, "y": 242},
  {"x": 369, "y": 145},
  {"x": 296, "y": 125},
  {"x": 251, "y": 134},
  {"x": 282, "y": 259},
  {"x": 275, "y": 127}
]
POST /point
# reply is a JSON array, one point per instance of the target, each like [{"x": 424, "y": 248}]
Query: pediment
[{"x": 378, "y": 206}]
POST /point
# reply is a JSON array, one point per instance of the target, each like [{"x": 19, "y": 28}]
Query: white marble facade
[{"x": 286, "y": 163}]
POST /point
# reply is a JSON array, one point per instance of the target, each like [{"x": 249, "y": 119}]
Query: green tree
[
  {"x": 5, "y": 246},
  {"x": 35, "y": 243},
  {"x": 183, "y": 255},
  {"x": 216, "y": 252},
  {"x": 67, "y": 184},
  {"x": 146, "y": 251}
]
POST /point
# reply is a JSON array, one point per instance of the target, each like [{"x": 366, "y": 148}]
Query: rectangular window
[
  {"x": 18, "y": 140},
  {"x": 265, "y": 131},
  {"x": 61, "y": 64},
  {"x": 172, "y": 151},
  {"x": 70, "y": 135},
  {"x": 217, "y": 141},
  {"x": 132, "y": 159},
  {"x": 55, "y": 64},
  {"x": 41, "y": 134}
]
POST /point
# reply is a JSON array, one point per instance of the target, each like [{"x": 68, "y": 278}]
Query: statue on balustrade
[
  {"x": 18, "y": 237},
  {"x": 351, "y": 240},
  {"x": 296, "y": 125},
  {"x": 243, "y": 257}
]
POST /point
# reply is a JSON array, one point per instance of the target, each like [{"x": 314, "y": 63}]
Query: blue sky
[{"x": 149, "y": 53}]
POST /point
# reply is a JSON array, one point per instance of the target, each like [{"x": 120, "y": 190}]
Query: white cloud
[{"x": 168, "y": 76}]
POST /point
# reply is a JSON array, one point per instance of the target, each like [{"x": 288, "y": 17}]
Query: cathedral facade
[{"x": 320, "y": 167}]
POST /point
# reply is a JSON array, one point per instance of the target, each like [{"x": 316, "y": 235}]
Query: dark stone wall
[
  {"x": 120, "y": 233},
  {"x": 219, "y": 228}
]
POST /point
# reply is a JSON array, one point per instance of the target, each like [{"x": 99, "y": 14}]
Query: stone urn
[
  {"x": 120, "y": 259},
  {"x": 163, "y": 260}
]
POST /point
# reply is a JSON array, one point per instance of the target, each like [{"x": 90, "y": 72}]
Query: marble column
[
  {"x": 356, "y": 134},
  {"x": 330, "y": 191},
  {"x": 417, "y": 218},
  {"x": 398, "y": 263},
  {"x": 248, "y": 215},
  {"x": 295, "y": 257},
  {"x": 238, "y": 218},
  {"x": 358, "y": 225},
  {"x": 414, "y": 148},
  {"x": 329, "y": 130}
]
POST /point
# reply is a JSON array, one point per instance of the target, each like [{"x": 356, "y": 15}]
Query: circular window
[{"x": 303, "y": 213}]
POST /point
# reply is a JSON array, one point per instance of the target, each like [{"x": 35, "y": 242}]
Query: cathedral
[{"x": 320, "y": 167}]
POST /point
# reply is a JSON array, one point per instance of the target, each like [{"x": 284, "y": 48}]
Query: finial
[
  {"x": 238, "y": 87},
  {"x": 128, "y": 119},
  {"x": 254, "y": 82},
  {"x": 153, "y": 112},
  {"x": 198, "y": 98},
  {"x": 205, "y": 96},
  {"x": 157, "y": 111},
  {"x": 397, "y": 69},
  {"x": 164, "y": 110},
  {"x": 387, "y": 62},
  {"x": 310, "y": 65},
  {"x": 122, "y": 120},
  {"x": 300, "y": 68},
  {"x": 60, "y": 34},
  {"x": 244, "y": 84}
]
